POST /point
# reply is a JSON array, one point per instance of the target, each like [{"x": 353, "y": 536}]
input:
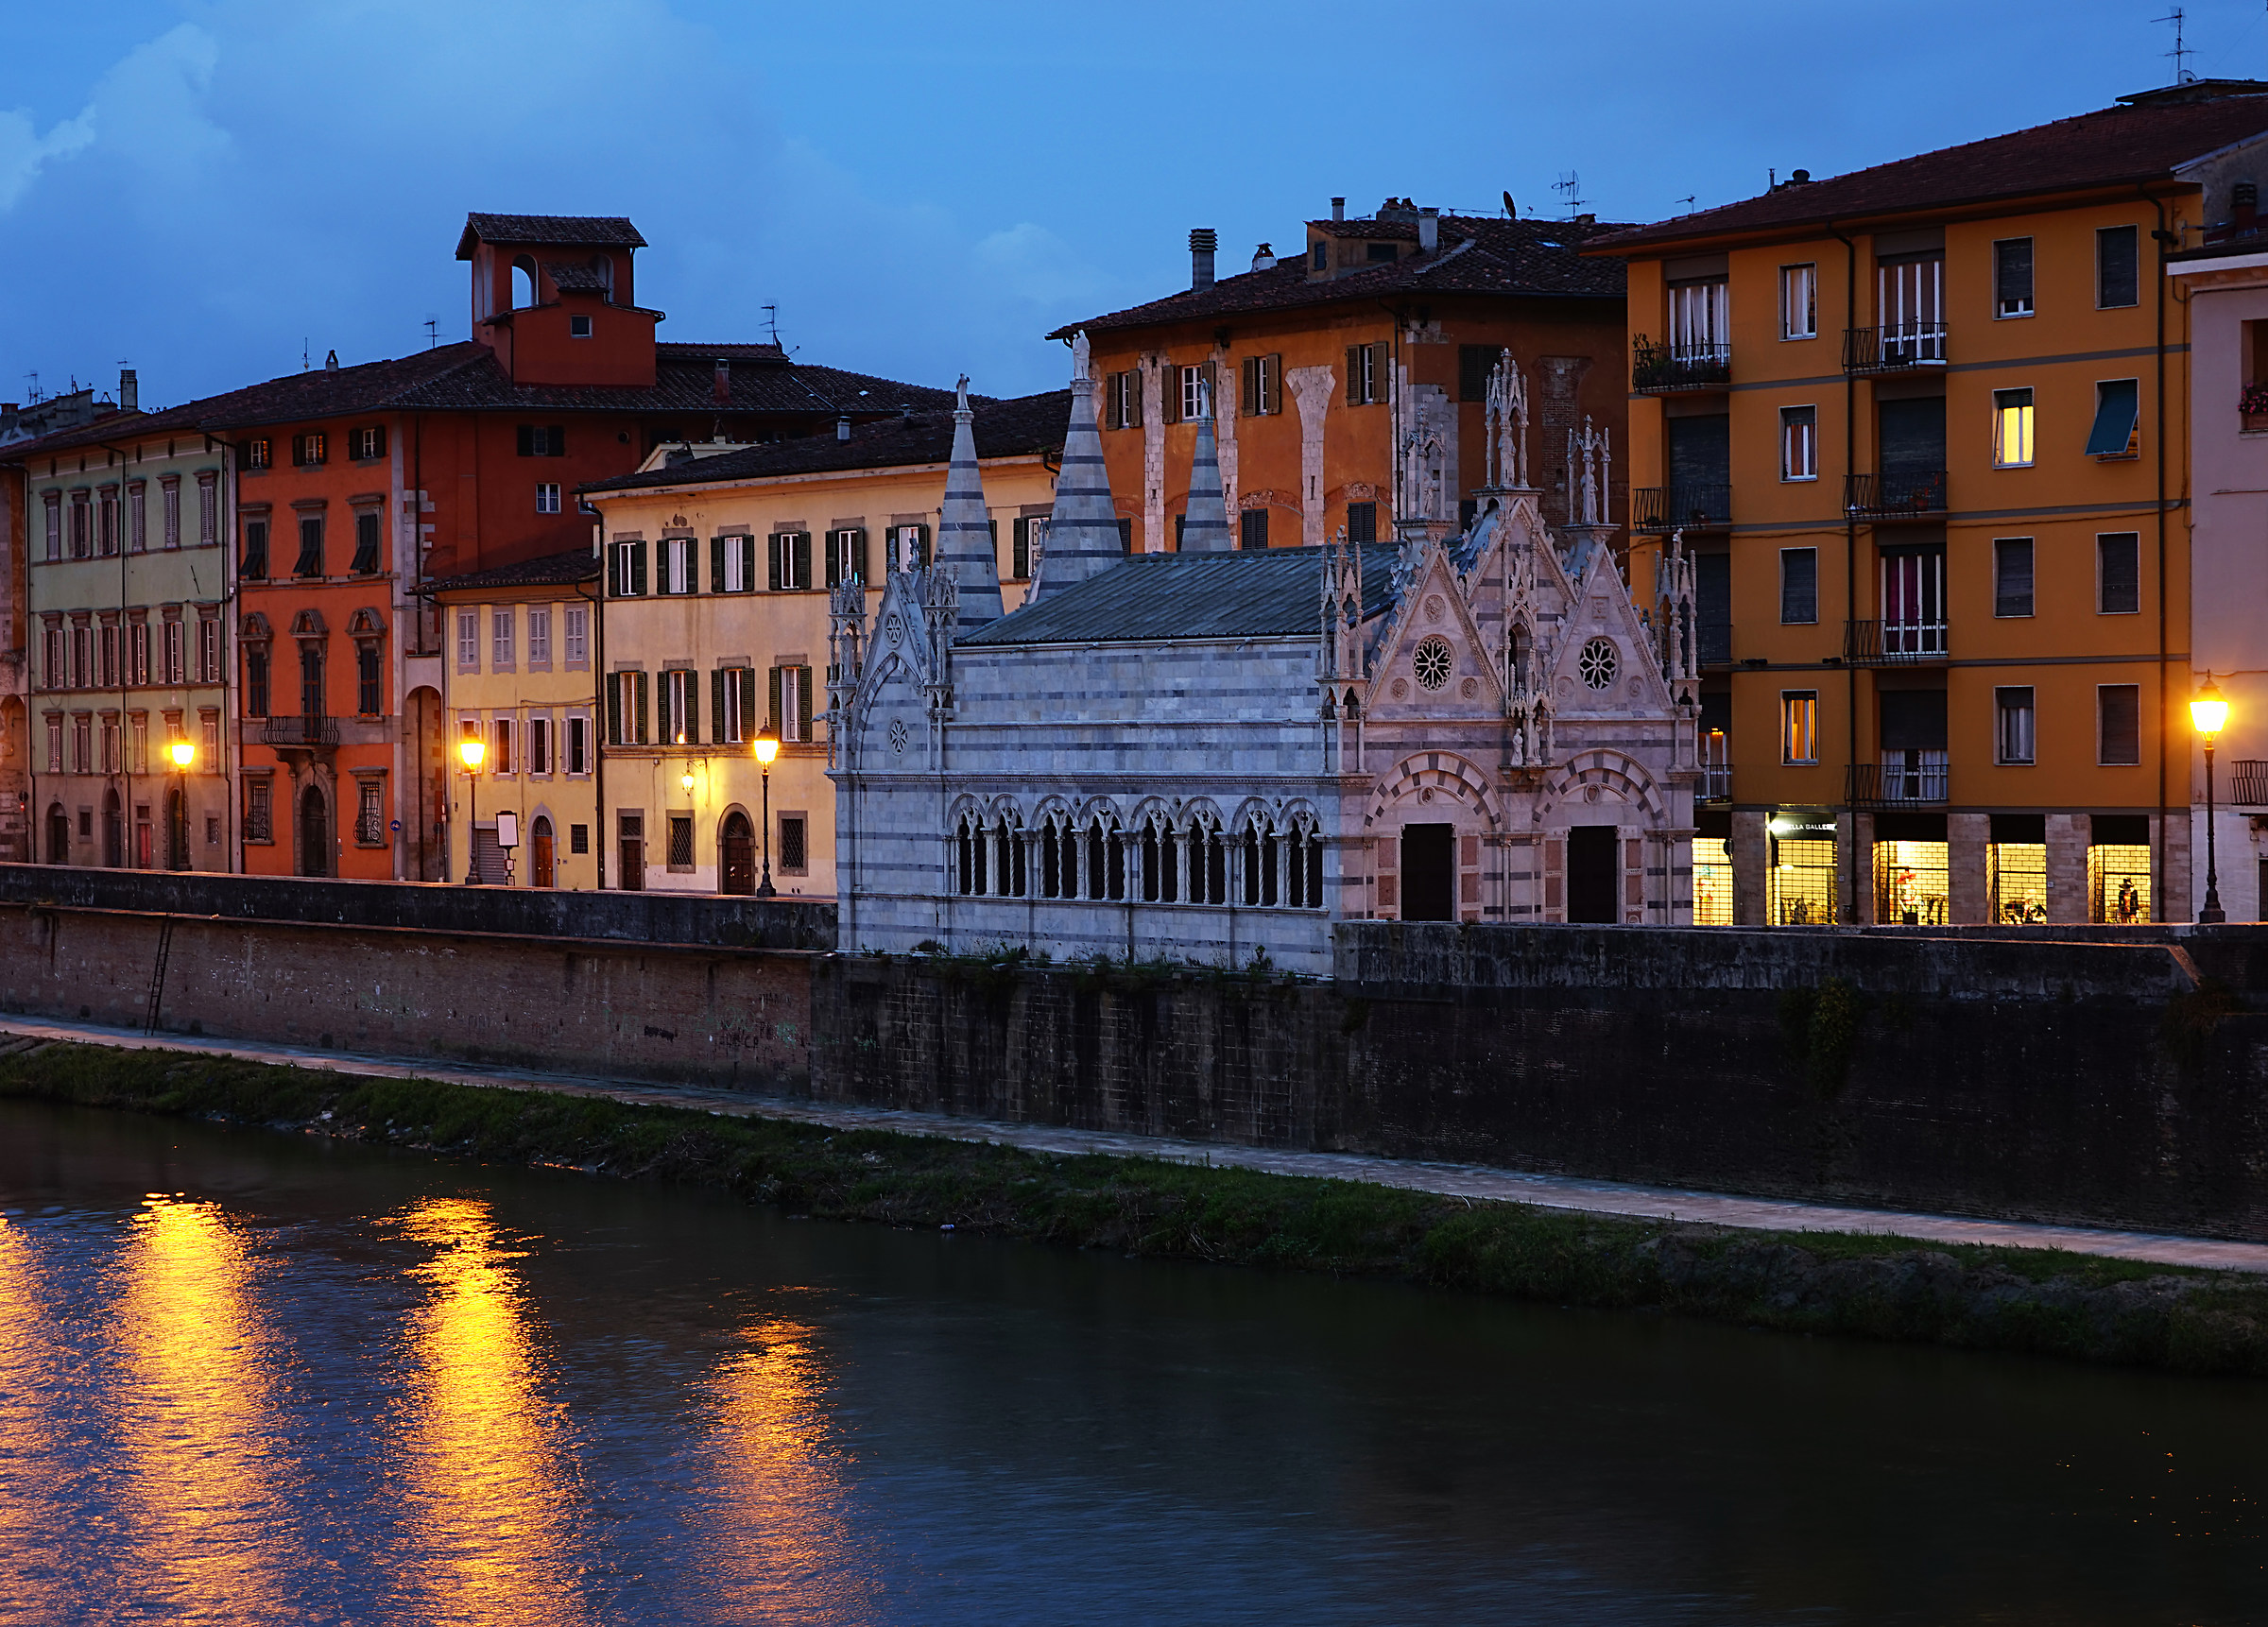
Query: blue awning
[{"x": 2118, "y": 408}]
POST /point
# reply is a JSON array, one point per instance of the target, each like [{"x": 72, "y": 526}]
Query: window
[
  {"x": 2011, "y": 428},
  {"x": 369, "y": 813},
  {"x": 1197, "y": 397},
  {"x": 1261, "y": 381},
  {"x": 1798, "y": 586},
  {"x": 257, "y": 455},
  {"x": 169, "y": 511},
  {"x": 54, "y": 504},
  {"x": 1799, "y": 443},
  {"x": 1318, "y": 256},
  {"x": 2119, "y": 573},
  {"x": 547, "y": 497},
  {"x": 307, "y": 451},
  {"x": 677, "y": 566},
  {"x": 1025, "y": 535},
  {"x": 311, "y": 546},
  {"x": 367, "y": 442},
  {"x": 365, "y": 542},
  {"x": 256, "y": 822},
  {"x": 137, "y": 653},
  {"x": 630, "y": 873},
  {"x": 368, "y": 699},
  {"x": 1799, "y": 726},
  {"x": 909, "y": 547},
  {"x": 1474, "y": 364},
  {"x": 846, "y": 556},
  {"x": 83, "y": 744},
  {"x": 208, "y": 510},
  {"x": 1121, "y": 401},
  {"x": 56, "y": 665},
  {"x": 82, "y": 657},
  {"x": 82, "y": 525},
  {"x": 255, "y": 549},
  {"x": 2012, "y": 277},
  {"x": 1366, "y": 374},
  {"x": 106, "y": 514},
  {"x": 208, "y": 649},
  {"x": 176, "y": 653},
  {"x": 791, "y": 703},
  {"x": 1362, "y": 522},
  {"x": 106, "y": 653},
  {"x": 790, "y": 561},
  {"x": 538, "y": 637},
  {"x": 137, "y": 517},
  {"x": 731, "y": 698},
  {"x": 2118, "y": 267},
  {"x": 2118, "y": 707},
  {"x": 578, "y": 636},
  {"x": 626, "y": 568},
  {"x": 543, "y": 440},
  {"x": 1699, "y": 320},
  {"x": 2012, "y": 576},
  {"x": 681, "y": 842},
  {"x": 467, "y": 641},
  {"x": 1910, "y": 291},
  {"x": 311, "y": 682},
  {"x": 1799, "y": 301},
  {"x": 1125, "y": 536},
  {"x": 208, "y": 725},
  {"x": 795, "y": 851},
  {"x": 500, "y": 758},
  {"x": 55, "y": 743},
  {"x": 255, "y": 683},
  {"x": 500, "y": 628},
  {"x": 579, "y": 838},
  {"x": 539, "y": 746},
  {"x": 680, "y": 718},
  {"x": 1381, "y": 252},
  {"x": 1912, "y": 600},
  {"x": 2012, "y": 734},
  {"x": 2117, "y": 427},
  {"x": 1252, "y": 528},
  {"x": 578, "y": 746},
  {"x": 731, "y": 561}
]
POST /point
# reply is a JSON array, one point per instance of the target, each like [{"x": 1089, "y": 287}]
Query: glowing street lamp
[
  {"x": 183, "y": 754},
  {"x": 471, "y": 749},
  {"x": 767, "y": 747},
  {"x": 2208, "y": 714}
]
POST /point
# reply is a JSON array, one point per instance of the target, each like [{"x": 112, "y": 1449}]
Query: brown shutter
[
  {"x": 1354, "y": 375},
  {"x": 1271, "y": 384},
  {"x": 1169, "y": 386}
]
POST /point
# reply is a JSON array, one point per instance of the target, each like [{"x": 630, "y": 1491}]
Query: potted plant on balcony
[{"x": 2254, "y": 405}]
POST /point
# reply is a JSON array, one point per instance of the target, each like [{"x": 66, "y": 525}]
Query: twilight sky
[{"x": 201, "y": 187}]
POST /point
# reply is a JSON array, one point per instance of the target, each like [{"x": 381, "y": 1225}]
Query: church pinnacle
[
  {"x": 1082, "y": 536},
  {"x": 964, "y": 534},
  {"x": 1205, "y": 527}
]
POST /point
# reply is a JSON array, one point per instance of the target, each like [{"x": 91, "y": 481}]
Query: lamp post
[
  {"x": 472, "y": 750},
  {"x": 767, "y": 747},
  {"x": 2208, "y": 712},
  {"x": 184, "y": 752}
]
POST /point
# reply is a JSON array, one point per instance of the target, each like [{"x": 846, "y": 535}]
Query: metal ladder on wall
[{"x": 157, "y": 974}]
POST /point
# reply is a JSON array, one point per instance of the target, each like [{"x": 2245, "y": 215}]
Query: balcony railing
[
  {"x": 1659, "y": 370},
  {"x": 299, "y": 731},
  {"x": 1715, "y": 756},
  {"x": 2248, "y": 784},
  {"x": 1894, "y": 350},
  {"x": 1892, "y": 643},
  {"x": 1900, "y": 494},
  {"x": 1693, "y": 507},
  {"x": 1901, "y": 779}
]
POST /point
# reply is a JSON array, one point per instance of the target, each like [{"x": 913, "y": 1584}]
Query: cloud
[
  {"x": 1032, "y": 263},
  {"x": 25, "y": 153}
]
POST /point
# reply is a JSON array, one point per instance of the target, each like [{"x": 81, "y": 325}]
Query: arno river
[{"x": 248, "y": 1377}]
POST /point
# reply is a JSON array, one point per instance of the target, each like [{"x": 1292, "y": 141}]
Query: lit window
[
  {"x": 2013, "y": 732},
  {"x": 1799, "y": 726},
  {"x": 1799, "y": 301},
  {"x": 1799, "y": 443},
  {"x": 2012, "y": 428}
]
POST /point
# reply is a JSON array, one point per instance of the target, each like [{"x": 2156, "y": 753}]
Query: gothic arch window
[
  {"x": 1106, "y": 857},
  {"x": 1303, "y": 864},
  {"x": 1263, "y": 853},
  {"x": 1160, "y": 861},
  {"x": 969, "y": 853},
  {"x": 1207, "y": 858},
  {"x": 1009, "y": 868},
  {"x": 1058, "y": 856}
]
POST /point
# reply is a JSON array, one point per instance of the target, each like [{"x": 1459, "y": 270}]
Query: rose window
[
  {"x": 1433, "y": 662},
  {"x": 1597, "y": 663}
]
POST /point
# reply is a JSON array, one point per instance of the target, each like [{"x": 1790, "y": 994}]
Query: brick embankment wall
[
  {"x": 739, "y": 1019},
  {"x": 2090, "y": 1083}
]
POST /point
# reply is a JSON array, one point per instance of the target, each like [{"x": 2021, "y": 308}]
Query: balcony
[
  {"x": 1665, "y": 369},
  {"x": 1892, "y": 643},
  {"x": 304, "y": 733},
  {"x": 1899, "y": 348},
  {"x": 2248, "y": 784},
  {"x": 1704, "y": 505},
  {"x": 1903, "y": 494},
  {"x": 1901, "y": 779},
  {"x": 1715, "y": 759}
]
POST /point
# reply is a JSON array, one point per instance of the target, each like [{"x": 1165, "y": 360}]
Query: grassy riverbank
[{"x": 2074, "y": 1306}]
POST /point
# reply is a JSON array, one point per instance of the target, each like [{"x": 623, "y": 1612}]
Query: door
[
  {"x": 1429, "y": 872},
  {"x": 59, "y": 835},
  {"x": 1590, "y": 873},
  {"x": 542, "y": 867},
  {"x": 630, "y": 874},
  {"x": 114, "y": 831},
  {"x": 177, "y": 830},
  {"x": 314, "y": 834},
  {"x": 740, "y": 854}
]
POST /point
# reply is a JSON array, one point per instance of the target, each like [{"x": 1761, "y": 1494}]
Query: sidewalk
[{"x": 1451, "y": 1180}]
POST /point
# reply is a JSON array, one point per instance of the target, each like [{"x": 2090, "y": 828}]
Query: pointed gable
[{"x": 964, "y": 531}]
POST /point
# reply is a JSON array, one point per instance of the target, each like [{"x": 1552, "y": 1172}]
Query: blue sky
[{"x": 201, "y": 187}]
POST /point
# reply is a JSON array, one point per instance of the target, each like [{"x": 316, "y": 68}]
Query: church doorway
[
  {"x": 1429, "y": 872},
  {"x": 740, "y": 854},
  {"x": 314, "y": 834},
  {"x": 1590, "y": 873}
]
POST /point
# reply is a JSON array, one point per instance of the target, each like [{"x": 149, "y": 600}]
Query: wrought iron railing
[
  {"x": 1896, "y": 495},
  {"x": 299, "y": 731},
  {"x": 1894, "y": 348},
  {"x": 1901, "y": 779},
  {"x": 1656, "y": 370},
  {"x": 1715, "y": 756},
  {"x": 1691, "y": 506},
  {"x": 1888, "y": 644}
]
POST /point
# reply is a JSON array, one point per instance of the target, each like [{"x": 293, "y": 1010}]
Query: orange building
[
  {"x": 357, "y": 486},
  {"x": 1922, "y": 428},
  {"x": 1347, "y": 381}
]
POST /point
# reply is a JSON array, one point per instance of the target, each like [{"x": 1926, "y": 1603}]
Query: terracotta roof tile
[
  {"x": 541, "y": 230},
  {"x": 575, "y": 565}
]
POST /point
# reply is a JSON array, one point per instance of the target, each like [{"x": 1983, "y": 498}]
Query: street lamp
[
  {"x": 2208, "y": 712},
  {"x": 685, "y": 779},
  {"x": 184, "y": 752},
  {"x": 472, "y": 750},
  {"x": 767, "y": 747}
]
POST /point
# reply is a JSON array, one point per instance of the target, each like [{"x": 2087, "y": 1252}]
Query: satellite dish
[{"x": 1508, "y": 209}]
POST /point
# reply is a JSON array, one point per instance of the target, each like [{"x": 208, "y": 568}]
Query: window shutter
[
  {"x": 803, "y": 546},
  {"x": 1247, "y": 397},
  {"x": 690, "y": 722},
  {"x": 377, "y": 447},
  {"x": 640, "y": 685},
  {"x": 803, "y": 703},
  {"x": 748, "y": 702},
  {"x": 716, "y": 707},
  {"x": 992, "y": 530},
  {"x": 716, "y": 562},
  {"x": 1134, "y": 400},
  {"x": 1380, "y": 379},
  {"x": 834, "y": 558},
  {"x": 1271, "y": 384},
  {"x": 771, "y": 562},
  {"x": 858, "y": 555},
  {"x": 614, "y": 710},
  {"x": 557, "y": 446},
  {"x": 772, "y": 715},
  {"x": 1169, "y": 386},
  {"x": 746, "y": 545},
  {"x": 637, "y": 569},
  {"x": 527, "y": 440},
  {"x": 1020, "y": 548},
  {"x": 921, "y": 542},
  {"x": 1354, "y": 375}
]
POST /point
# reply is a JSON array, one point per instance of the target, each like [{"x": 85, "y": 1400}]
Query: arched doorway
[
  {"x": 739, "y": 841},
  {"x": 315, "y": 832},
  {"x": 177, "y": 829},
  {"x": 542, "y": 865},
  {"x": 59, "y": 834},
  {"x": 114, "y": 831}
]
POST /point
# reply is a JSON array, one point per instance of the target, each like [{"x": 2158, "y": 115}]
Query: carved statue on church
[{"x": 1506, "y": 406}]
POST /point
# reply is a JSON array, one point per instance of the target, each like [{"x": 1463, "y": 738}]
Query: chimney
[
  {"x": 1264, "y": 258},
  {"x": 1202, "y": 242},
  {"x": 129, "y": 390},
  {"x": 1429, "y": 231},
  {"x": 2244, "y": 208},
  {"x": 721, "y": 387},
  {"x": 842, "y": 427},
  {"x": 331, "y": 363},
  {"x": 1338, "y": 208},
  {"x": 1798, "y": 176}
]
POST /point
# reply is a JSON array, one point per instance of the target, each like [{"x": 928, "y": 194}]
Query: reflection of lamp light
[
  {"x": 767, "y": 747},
  {"x": 184, "y": 753},
  {"x": 2210, "y": 713}
]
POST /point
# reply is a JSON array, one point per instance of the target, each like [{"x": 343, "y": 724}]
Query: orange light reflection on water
[
  {"x": 489, "y": 1491},
  {"x": 26, "y": 1436}
]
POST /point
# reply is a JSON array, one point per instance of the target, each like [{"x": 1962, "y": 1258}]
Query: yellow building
[
  {"x": 521, "y": 671},
  {"x": 1922, "y": 430},
  {"x": 717, "y": 579}
]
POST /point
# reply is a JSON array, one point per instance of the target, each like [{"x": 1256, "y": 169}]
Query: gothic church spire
[
  {"x": 1082, "y": 536},
  {"x": 1205, "y": 527},
  {"x": 963, "y": 537}
]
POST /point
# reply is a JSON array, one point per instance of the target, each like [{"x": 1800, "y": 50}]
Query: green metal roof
[{"x": 1270, "y": 592}]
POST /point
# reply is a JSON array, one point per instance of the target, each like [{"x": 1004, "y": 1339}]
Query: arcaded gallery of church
[{"x": 1213, "y": 754}]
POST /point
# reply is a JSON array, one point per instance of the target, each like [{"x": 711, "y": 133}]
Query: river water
[{"x": 253, "y": 1378}]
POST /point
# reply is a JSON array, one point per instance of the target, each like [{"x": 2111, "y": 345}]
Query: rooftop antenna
[
  {"x": 1571, "y": 184},
  {"x": 2181, "y": 52},
  {"x": 432, "y": 335},
  {"x": 34, "y": 377},
  {"x": 771, "y": 315},
  {"x": 303, "y": 348},
  {"x": 1688, "y": 201}
]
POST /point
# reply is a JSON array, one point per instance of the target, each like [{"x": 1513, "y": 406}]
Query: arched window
[
  {"x": 1303, "y": 866},
  {"x": 972, "y": 843},
  {"x": 1009, "y": 872},
  {"x": 1156, "y": 860},
  {"x": 1059, "y": 859},
  {"x": 1260, "y": 862},
  {"x": 1105, "y": 858},
  {"x": 523, "y": 283},
  {"x": 1207, "y": 861}
]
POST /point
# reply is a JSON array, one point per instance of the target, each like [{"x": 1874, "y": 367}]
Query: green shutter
[
  {"x": 803, "y": 694},
  {"x": 614, "y": 710},
  {"x": 771, "y": 562},
  {"x": 1020, "y": 548},
  {"x": 803, "y": 546},
  {"x": 772, "y": 716},
  {"x": 748, "y": 700},
  {"x": 558, "y": 440},
  {"x": 748, "y": 562},
  {"x": 527, "y": 442},
  {"x": 637, "y": 569},
  {"x": 716, "y": 562},
  {"x": 921, "y": 544},
  {"x": 834, "y": 561},
  {"x": 640, "y": 685},
  {"x": 716, "y": 707},
  {"x": 858, "y": 555},
  {"x": 690, "y": 722}
]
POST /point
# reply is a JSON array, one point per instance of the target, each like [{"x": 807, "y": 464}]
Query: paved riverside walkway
[{"x": 1451, "y": 1180}]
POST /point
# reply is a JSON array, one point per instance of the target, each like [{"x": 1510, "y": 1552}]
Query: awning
[{"x": 2118, "y": 409}]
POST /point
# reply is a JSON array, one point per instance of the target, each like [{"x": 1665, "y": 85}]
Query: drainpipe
[
  {"x": 2158, "y": 859},
  {"x": 125, "y": 662},
  {"x": 598, "y": 702},
  {"x": 1851, "y": 576}
]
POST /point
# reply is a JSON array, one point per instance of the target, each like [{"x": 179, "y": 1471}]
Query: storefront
[
  {"x": 2016, "y": 869},
  {"x": 1912, "y": 870},
  {"x": 2118, "y": 870},
  {"x": 1802, "y": 876}
]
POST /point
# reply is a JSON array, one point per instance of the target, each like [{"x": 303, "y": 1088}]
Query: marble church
[{"x": 1213, "y": 755}]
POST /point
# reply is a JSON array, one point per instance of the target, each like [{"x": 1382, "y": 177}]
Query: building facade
[
  {"x": 1347, "y": 382},
  {"x": 720, "y": 571},
  {"x": 1925, "y": 429}
]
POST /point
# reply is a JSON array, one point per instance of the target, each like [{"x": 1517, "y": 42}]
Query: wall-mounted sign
[{"x": 507, "y": 829}]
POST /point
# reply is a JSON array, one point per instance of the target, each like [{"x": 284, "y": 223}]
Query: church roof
[{"x": 1268, "y": 592}]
